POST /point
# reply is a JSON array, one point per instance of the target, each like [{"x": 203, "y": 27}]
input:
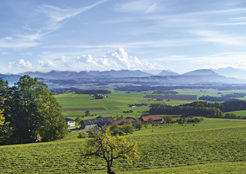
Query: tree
[
  {"x": 77, "y": 120},
  {"x": 127, "y": 128},
  {"x": 168, "y": 119},
  {"x": 138, "y": 124},
  {"x": 121, "y": 117},
  {"x": 3, "y": 90},
  {"x": 5, "y": 129},
  {"x": 33, "y": 112},
  {"x": 110, "y": 148},
  {"x": 87, "y": 113}
]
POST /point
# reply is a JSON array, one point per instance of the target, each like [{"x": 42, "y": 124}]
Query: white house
[{"x": 70, "y": 122}]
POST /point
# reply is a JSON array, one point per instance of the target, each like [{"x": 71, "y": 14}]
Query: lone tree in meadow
[
  {"x": 110, "y": 148},
  {"x": 87, "y": 113}
]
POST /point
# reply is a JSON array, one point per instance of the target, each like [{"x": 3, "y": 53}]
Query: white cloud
[
  {"x": 20, "y": 65},
  {"x": 218, "y": 37},
  {"x": 117, "y": 60},
  {"x": 138, "y": 44},
  {"x": 215, "y": 61},
  {"x": 19, "y": 41},
  {"x": 58, "y": 15},
  {"x": 136, "y": 6}
]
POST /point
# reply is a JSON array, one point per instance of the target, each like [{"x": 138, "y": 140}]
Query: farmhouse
[
  {"x": 70, "y": 122},
  {"x": 152, "y": 118},
  {"x": 98, "y": 96},
  {"x": 99, "y": 121},
  {"x": 121, "y": 122},
  {"x": 137, "y": 105}
]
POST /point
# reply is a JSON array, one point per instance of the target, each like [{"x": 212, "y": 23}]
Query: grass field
[
  {"x": 212, "y": 146},
  {"x": 241, "y": 114},
  {"x": 74, "y": 105},
  {"x": 115, "y": 103}
]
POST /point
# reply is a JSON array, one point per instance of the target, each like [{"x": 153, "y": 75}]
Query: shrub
[{"x": 82, "y": 135}]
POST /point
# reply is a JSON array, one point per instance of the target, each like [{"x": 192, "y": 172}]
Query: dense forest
[
  {"x": 200, "y": 108},
  {"x": 80, "y": 91}
]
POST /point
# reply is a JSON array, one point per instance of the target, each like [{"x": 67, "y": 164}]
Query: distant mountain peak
[
  {"x": 201, "y": 72},
  {"x": 167, "y": 73}
]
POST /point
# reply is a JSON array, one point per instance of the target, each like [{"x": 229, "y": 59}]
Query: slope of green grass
[
  {"x": 241, "y": 114},
  {"x": 216, "y": 143},
  {"x": 214, "y": 168}
]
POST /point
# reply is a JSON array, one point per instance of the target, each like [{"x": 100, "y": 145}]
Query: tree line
[
  {"x": 200, "y": 108},
  {"x": 29, "y": 113},
  {"x": 222, "y": 98},
  {"x": 80, "y": 91}
]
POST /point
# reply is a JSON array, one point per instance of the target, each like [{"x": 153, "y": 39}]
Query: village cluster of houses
[{"x": 104, "y": 121}]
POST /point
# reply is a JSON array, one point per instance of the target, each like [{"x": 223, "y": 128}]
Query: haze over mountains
[
  {"x": 113, "y": 78},
  {"x": 231, "y": 72},
  {"x": 87, "y": 74}
]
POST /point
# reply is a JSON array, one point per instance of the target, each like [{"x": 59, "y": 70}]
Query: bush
[
  {"x": 121, "y": 130},
  {"x": 138, "y": 125},
  {"x": 127, "y": 128},
  {"x": 82, "y": 135}
]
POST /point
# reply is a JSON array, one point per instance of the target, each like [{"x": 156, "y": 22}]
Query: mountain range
[
  {"x": 113, "y": 78},
  {"x": 61, "y": 75}
]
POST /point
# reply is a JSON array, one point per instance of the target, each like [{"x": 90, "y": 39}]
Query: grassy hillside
[
  {"x": 241, "y": 114},
  {"x": 214, "y": 168},
  {"x": 212, "y": 144}
]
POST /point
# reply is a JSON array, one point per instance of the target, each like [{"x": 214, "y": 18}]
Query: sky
[{"x": 147, "y": 35}]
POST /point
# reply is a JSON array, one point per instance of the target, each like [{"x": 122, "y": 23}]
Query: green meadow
[
  {"x": 117, "y": 102},
  {"x": 114, "y": 104},
  {"x": 212, "y": 146},
  {"x": 241, "y": 114}
]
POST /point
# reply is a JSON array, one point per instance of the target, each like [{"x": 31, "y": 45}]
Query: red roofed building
[
  {"x": 121, "y": 122},
  {"x": 152, "y": 118}
]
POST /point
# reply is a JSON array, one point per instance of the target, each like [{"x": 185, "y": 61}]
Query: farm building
[
  {"x": 70, "y": 122},
  {"x": 121, "y": 122},
  {"x": 152, "y": 118},
  {"x": 99, "y": 121}
]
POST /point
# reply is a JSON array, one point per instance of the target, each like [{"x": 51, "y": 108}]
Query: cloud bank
[{"x": 115, "y": 60}]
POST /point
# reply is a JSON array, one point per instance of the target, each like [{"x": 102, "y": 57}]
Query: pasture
[
  {"x": 114, "y": 104},
  {"x": 212, "y": 146},
  {"x": 241, "y": 114},
  {"x": 75, "y": 105}
]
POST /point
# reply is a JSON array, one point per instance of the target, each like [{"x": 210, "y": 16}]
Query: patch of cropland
[
  {"x": 238, "y": 114},
  {"x": 172, "y": 97},
  {"x": 214, "y": 143},
  {"x": 114, "y": 104},
  {"x": 84, "y": 109}
]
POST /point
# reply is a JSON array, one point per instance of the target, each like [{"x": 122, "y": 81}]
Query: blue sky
[{"x": 149, "y": 35}]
